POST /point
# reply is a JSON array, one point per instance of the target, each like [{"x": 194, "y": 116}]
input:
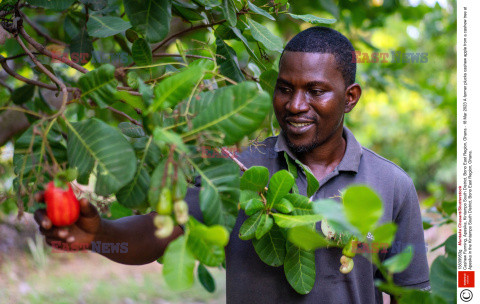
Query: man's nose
[{"x": 298, "y": 103}]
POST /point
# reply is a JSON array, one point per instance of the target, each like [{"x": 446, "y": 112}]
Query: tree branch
[
  {"x": 39, "y": 31},
  {"x": 49, "y": 74},
  {"x": 230, "y": 154},
  {"x": 134, "y": 121},
  {"x": 46, "y": 52}
]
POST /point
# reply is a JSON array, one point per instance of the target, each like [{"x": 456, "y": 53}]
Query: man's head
[{"x": 315, "y": 87}]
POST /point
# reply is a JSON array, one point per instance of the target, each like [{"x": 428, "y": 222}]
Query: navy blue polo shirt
[{"x": 249, "y": 280}]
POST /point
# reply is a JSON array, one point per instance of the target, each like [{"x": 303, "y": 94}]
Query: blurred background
[{"x": 407, "y": 114}]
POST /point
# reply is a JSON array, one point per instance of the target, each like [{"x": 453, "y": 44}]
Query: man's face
[{"x": 309, "y": 99}]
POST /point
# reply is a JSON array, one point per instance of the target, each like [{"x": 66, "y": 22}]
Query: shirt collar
[{"x": 349, "y": 162}]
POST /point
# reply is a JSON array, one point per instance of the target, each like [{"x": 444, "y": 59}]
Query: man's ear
[{"x": 352, "y": 95}]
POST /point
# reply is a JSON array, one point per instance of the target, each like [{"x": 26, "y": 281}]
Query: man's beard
[{"x": 300, "y": 149}]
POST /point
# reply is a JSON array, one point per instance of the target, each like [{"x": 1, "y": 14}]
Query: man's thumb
[{"x": 87, "y": 209}]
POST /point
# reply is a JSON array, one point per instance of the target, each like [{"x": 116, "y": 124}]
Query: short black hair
[{"x": 320, "y": 39}]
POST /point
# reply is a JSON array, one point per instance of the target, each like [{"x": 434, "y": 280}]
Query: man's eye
[
  {"x": 316, "y": 92},
  {"x": 285, "y": 90}
]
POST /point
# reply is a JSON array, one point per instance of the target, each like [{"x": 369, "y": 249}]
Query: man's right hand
[{"x": 82, "y": 232}]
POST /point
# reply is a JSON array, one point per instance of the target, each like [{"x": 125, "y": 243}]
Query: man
[{"x": 315, "y": 88}]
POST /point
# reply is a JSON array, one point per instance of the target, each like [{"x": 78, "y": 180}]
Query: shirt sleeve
[
  {"x": 410, "y": 232},
  {"x": 192, "y": 199}
]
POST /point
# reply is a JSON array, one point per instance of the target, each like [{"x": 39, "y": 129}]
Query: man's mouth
[{"x": 300, "y": 124}]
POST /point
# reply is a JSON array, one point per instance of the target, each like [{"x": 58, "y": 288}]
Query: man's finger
[
  {"x": 42, "y": 219},
  {"x": 87, "y": 209},
  {"x": 39, "y": 196}
]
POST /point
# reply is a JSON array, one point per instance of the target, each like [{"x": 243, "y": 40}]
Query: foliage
[{"x": 129, "y": 93}]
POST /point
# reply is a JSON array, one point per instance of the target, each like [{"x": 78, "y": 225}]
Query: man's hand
[{"x": 82, "y": 232}]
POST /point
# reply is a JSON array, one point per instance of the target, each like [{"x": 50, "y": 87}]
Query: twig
[
  {"x": 136, "y": 122},
  {"x": 239, "y": 163},
  {"x": 186, "y": 31},
  {"x": 3, "y": 83},
  {"x": 49, "y": 74},
  {"x": 19, "y": 55},
  {"x": 39, "y": 31},
  {"x": 179, "y": 55},
  {"x": 46, "y": 52},
  {"x": 12, "y": 73}
]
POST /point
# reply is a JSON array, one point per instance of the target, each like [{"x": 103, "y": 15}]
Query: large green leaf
[
  {"x": 178, "y": 265},
  {"x": 202, "y": 246},
  {"x": 99, "y": 85},
  {"x": 106, "y": 26},
  {"x": 289, "y": 221},
  {"x": 235, "y": 112},
  {"x": 280, "y": 184},
  {"x": 312, "y": 19},
  {"x": 228, "y": 61},
  {"x": 363, "y": 208},
  {"x": 57, "y": 5},
  {"x": 219, "y": 193},
  {"x": 170, "y": 91},
  {"x": 443, "y": 273},
  {"x": 271, "y": 247},
  {"x": 150, "y": 17},
  {"x": 229, "y": 11},
  {"x": 93, "y": 142},
  {"x": 254, "y": 179},
  {"x": 384, "y": 234},
  {"x": 334, "y": 212},
  {"x": 299, "y": 268},
  {"x": 400, "y": 261},
  {"x": 81, "y": 47},
  {"x": 23, "y": 94},
  {"x": 301, "y": 204},
  {"x": 249, "y": 226},
  {"x": 263, "y": 35},
  {"x": 141, "y": 52},
  {"x": 307, "y": 238},
  {"x": 265, "y": 225},
  {"x": 134, "y": 194},
  {"x": 259, "y": 11}
]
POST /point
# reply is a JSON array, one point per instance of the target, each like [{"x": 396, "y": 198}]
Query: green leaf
[
  {"x": 289, "y": 221},
  {"x": 400, "y": 261},
  {"x": 187, "y": 13},
  {"x": 118, "y": 211},
  {"x": 271, "y": 247},
  {"x": 248, "y": 228},
  {"x": 265, "y": 225},
  {"x": 166, "y": 137},
  {"x": 205, "y": 251},
  {"x": 268, "y": 80},
  {"x": 100, "y": 85},
  {"x": 93, "y": 142},
  {"x": 363, "y": 207},
  {"x": 254, "y": 179},
  {"x": 260, "y": 11},
  {"x": 205, "y": 278},
  {"x": 242, "y": 38},
  {"x": 23, "y": 94},
  {"x": 150, "y": 17},
  {"x": 283, "y": 206},
  {"x": 57, "y": 5},
  {"x": 106, "y": 26},
  {"x": 253, "y": 206},
  {"x": 141, "y": 52},
  {"x": 131, "y": 130},
  {"x": 385, "y": 233},
  {"x": 306, "y": 238},
  {"x": 170, "y": 91},
  {"x": 134, "y": 194},
  {"x": 312, "y": 182},
  {"x": 300, "y": 269},
  {"x": 443, "y": 276},
  {"x": 81, "y": 47},
  {"x": 280, "y": 184},
  {"x": 235, "y": 112},
  {"x": 301, "y": 204},
  {"x": 334, "y": 212},
  {"x": 229, "y": 11},
  {"x": 219, "y": 193},
  {"x": 263, "y": 35},
  {"x": 178, "y": 265},
  {"x": 216, "y": 234},
  {"x": 228, "y": 61},
  {"x": 246, "y": 196},
  {"x": 312, "y": 19}
]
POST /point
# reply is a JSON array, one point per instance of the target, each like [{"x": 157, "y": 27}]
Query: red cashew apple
[{"x": 63, "y": 207}]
